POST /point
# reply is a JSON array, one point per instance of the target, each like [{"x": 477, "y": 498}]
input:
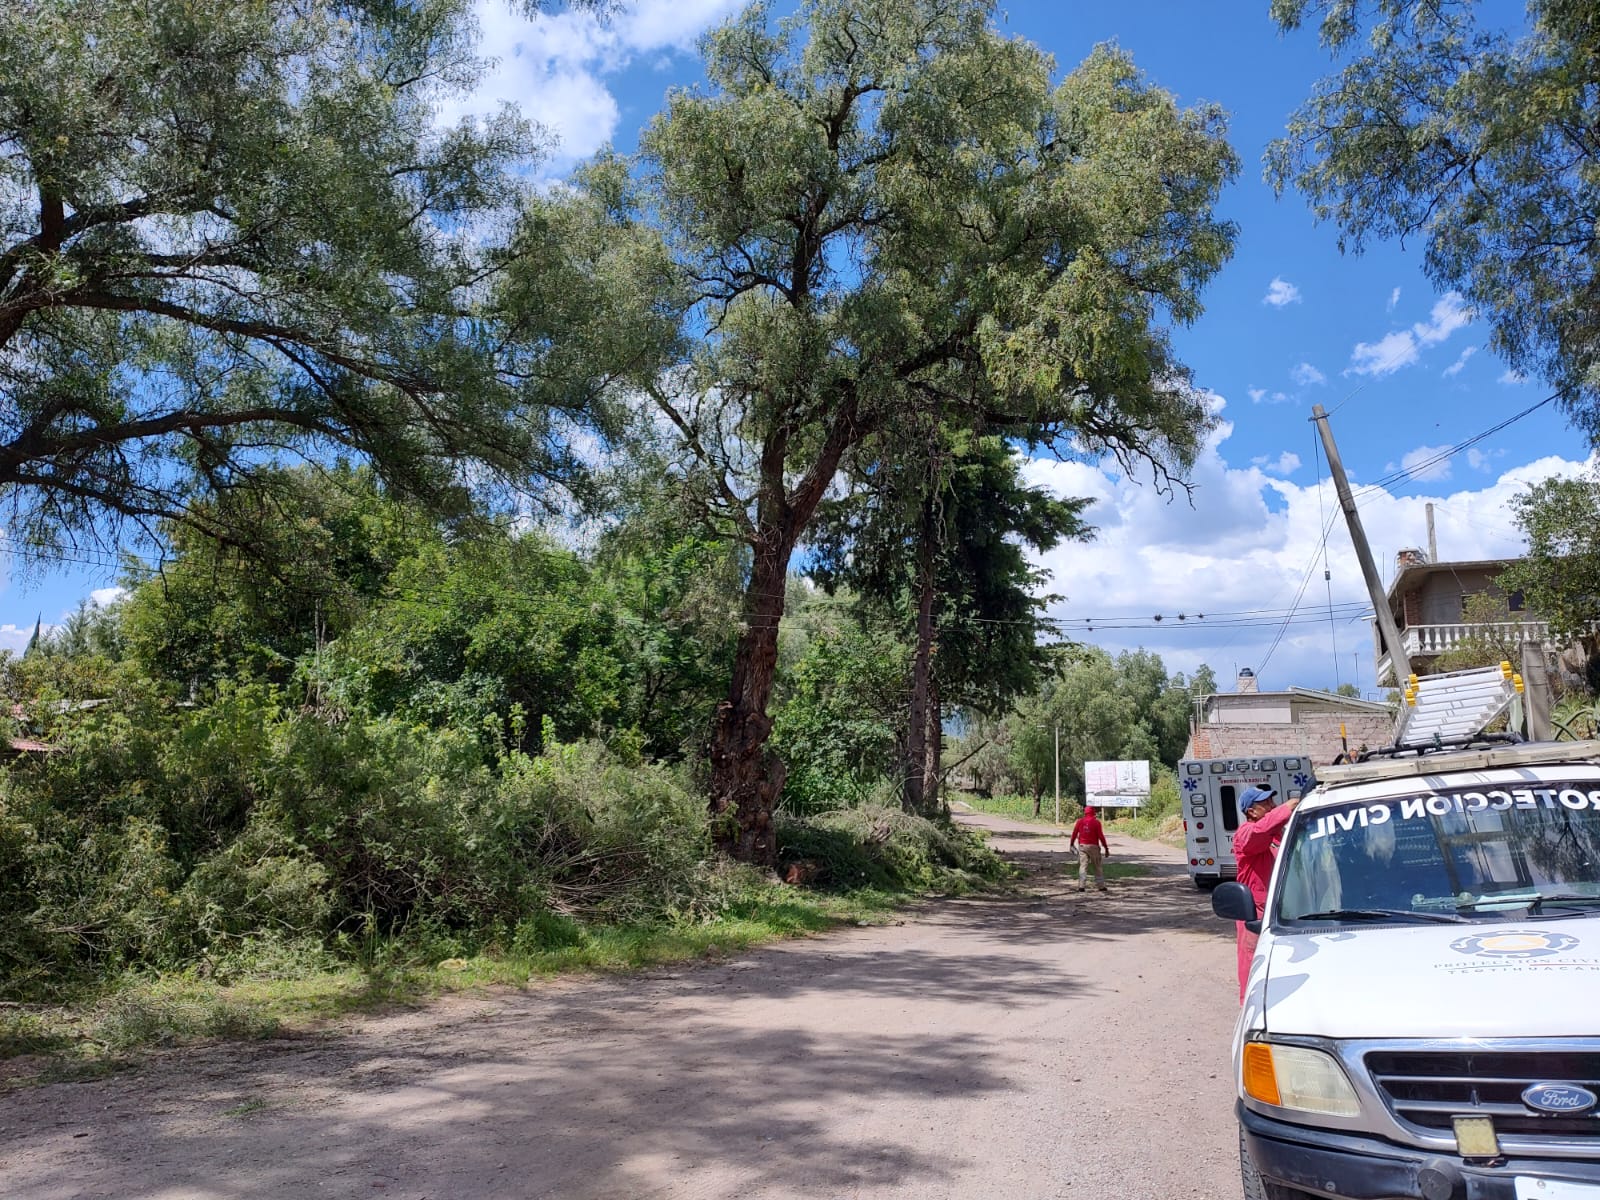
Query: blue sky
[{"x": 1290, "y": 322}]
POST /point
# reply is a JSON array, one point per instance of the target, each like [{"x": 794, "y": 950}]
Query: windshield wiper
[
  {"x": 1381, "y": 914},
  {"x": 1534, "y": 903},
  {"x": 1561, "y": 898}
]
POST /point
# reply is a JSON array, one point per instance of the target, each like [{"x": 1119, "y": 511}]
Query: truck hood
[{"x": 1533, "y": 978}]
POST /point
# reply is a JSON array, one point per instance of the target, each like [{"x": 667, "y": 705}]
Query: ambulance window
[
  {"x": 1291, "y": 764},
  {"x": 1195, "y": 768},
  {"x": 1228, "y": 801},
  {"x": 1269, "y": 764},
  {"x": 1217, "y": 768}
]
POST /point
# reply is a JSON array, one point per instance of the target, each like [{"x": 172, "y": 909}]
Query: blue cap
[{"x": 1254, "y": 795}]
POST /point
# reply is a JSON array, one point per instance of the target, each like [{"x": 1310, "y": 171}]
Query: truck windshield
[{"x": 1474, "y": 853}]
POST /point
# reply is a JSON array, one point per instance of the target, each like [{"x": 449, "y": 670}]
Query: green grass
[
  {"x": 109, "y": 1029},
  {"x": 1168, "y": 829},
  {"x": 1121, "y": 870},
  {"x": 1017, "y": 808}
]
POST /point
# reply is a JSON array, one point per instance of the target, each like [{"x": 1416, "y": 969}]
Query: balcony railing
[{"x": 1427, "y": 642}]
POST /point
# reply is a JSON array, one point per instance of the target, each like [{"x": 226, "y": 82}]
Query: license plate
[{"x": 1554, "y": 1189}]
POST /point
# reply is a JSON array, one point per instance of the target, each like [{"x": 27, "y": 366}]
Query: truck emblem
[
  {"x": 1559, "y": 1098},
  {"x": 1516, "y": 943}
]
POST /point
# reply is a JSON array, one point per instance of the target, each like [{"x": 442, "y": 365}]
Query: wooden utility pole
[
  {"x": 1398, "y": 662},
  {"x": 1058, "y": 772}
]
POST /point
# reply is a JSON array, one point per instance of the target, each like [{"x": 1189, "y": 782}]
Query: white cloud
[
  {"x": 1437, "y": 468},
  {"x": 1512, "y": 378},
  {"x": 1403, "y": 347},
  {"x": 16, "y": 637},
  {"x": 1479, "y": 460},
  {"x": 107, "y": 596},
  {"x": 1286, "y": 463},
  {"x": 1385, "y": 356},
  {"x": 1306, "y": 375},
  {"x": 1281, "y": 293},
  {"x": 1394, "y": 298},
  {"x": 553, "y": 67},
  {"x": 1244, "y": 545},
  {"x": 1257, "y": 395},
  {"x": 1450, "y": 313},
  {"x": 1455, "y": 368}
]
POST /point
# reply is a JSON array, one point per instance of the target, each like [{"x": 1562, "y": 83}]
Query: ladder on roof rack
[{"x": 1454, "y": 706}]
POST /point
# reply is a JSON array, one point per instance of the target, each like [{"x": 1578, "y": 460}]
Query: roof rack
[
  {"x": 1454, "y": 709},
  {"x": 1472, "y": 758}
]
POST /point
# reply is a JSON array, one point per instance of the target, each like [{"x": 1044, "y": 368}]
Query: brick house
[
  {"x": 1250, "y": 723},
  {"x": 1428, "y": 601}
]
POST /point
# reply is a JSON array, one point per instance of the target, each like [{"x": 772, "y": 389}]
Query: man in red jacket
[
  {"x": 1255, "y": 849},
  {"x": 1089, "y": 837}
]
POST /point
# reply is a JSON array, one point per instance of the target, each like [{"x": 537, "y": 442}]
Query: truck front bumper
[{"x": 1353, "y": 1167}]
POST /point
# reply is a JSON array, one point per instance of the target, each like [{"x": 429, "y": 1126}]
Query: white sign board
[{"x": 1116, "y": 784}]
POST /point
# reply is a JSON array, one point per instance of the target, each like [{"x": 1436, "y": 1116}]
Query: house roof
[
  {"x": 1354, "y": 703},
  {"x": 1412, "y": 574}
]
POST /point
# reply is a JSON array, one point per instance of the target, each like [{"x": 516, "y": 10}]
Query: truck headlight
[{"x": 1297, "y": 1077}]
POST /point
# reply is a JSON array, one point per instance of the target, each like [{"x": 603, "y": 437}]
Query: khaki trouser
[{"x": 1089, "y": 859}]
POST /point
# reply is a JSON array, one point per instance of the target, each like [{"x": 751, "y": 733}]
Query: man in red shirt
[
  {"x": 1089, "y": 837},
  {"x": 1255, "y": 849}
]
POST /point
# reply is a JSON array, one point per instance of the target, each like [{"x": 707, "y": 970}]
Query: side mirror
[{"x": 1233, "y": 902}]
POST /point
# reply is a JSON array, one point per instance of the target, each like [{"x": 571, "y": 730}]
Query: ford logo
[{"x": 1559, "y": 1098}]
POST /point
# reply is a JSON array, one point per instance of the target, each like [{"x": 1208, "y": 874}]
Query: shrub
[{"x": 886, "y": 847}]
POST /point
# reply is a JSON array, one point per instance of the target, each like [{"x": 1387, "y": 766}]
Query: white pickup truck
[{"x": 1422, "y": 1016}]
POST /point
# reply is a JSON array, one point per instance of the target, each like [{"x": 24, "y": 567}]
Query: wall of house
[
  {"x": 1444, "y": 594},
  {"x": 1230, "y": 708},
  {"x": 1314, "y": 736}
]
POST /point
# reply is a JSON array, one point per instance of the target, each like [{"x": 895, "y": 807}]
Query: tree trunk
[
  {"x": 932, "y": 746},
  {"x": 746, "y": 778},
  {"x": 914, "y": 771}
]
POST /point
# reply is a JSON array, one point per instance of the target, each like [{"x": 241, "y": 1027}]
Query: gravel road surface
[{"x": 1050, "y": 1044}]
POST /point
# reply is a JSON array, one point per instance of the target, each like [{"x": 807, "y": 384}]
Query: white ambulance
[{"x": 1210, "y": 790}]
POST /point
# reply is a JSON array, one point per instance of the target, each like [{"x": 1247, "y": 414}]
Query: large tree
[
  {"x": 1479, "y": 144},
  {"x": 882, "y": 202},
  {"x": 234, "y": 231},
  {"x": 934, "y": 539}
]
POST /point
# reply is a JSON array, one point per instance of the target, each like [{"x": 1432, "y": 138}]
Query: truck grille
[{"x": 1427, "y": 1088}]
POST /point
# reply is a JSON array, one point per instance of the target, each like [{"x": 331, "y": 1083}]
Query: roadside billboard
[{"x": 1124, "y": 784}]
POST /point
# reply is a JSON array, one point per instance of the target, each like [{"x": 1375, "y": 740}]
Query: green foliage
[
  {"x": 675, "y": 609},
  {"x": 322, "y": 547},
  {"x": 237, "y": 234},
  {"x": 1106, "y": 709},
  {"x": 492, "y": 636},
  {"x": 882, "y": 846},
  {"x": 838, "y": 729},
  {"x": 1474, "y": 142},
  {"x": 156, "y": 838},
  {"x": 1576, "y": 718},
  {"x": 1559, "y": 577}
]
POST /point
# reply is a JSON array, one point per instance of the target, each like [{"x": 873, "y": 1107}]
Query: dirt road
[{"x": 1053, "y": 1045}]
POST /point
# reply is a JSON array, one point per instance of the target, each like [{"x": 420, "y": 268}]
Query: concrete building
[
  {"x": 1428, "y": 601},
  {"x": 1251, "y": 723}
]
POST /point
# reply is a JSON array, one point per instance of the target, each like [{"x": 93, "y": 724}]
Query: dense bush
[
  {"x": 159, "y": 839},
  {"x": 886, "y": 847}
]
